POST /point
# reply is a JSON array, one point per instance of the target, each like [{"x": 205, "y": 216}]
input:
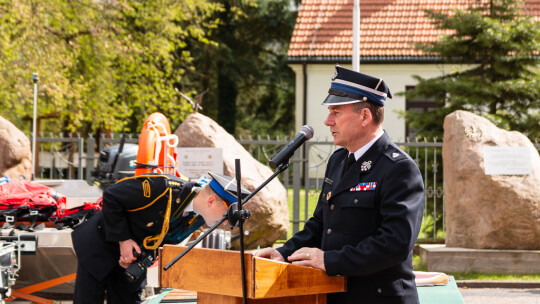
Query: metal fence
[
  {"x": 305, "y": 176},
  {"x": 75, "y": 158}
]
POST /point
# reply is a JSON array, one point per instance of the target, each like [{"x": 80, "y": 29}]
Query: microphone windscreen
[{"x": 308, "y": 131}]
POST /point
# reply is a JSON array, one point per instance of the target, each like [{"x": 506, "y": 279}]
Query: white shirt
[
  {"x": 189, "y": 208},
  {"x": 358, "y": 153}
]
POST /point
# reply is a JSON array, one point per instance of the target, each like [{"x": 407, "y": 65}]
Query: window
[{"x": 420, "y": 104}]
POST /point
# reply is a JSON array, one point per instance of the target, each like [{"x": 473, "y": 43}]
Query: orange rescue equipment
[{"x": 157, "y": 147}]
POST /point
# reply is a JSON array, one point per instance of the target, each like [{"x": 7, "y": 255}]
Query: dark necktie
[{"x": 350, "y": 161}]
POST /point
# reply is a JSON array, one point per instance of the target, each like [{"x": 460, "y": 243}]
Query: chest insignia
[
  {"x": 394, "y": 155},
  {"x": 146, "y": 188},
  {"x": 329, "y": 195},
  {"x": 364, "y": 187},
  {"x": 365, "y": 165}
]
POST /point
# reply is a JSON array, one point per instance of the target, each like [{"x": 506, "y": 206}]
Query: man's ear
[
  {"x": 366, "y": 116},
  {"x": 210, "y": 200}
]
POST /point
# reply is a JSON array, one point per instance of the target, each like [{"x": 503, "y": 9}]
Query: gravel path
[{"x": 500, "y": 296}]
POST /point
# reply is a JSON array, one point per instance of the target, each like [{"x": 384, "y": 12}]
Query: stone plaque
[
  {"x": 196, "y": 162},
  {"x": 507, "y": 161}
]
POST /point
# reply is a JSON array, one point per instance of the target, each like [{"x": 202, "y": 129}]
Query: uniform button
[
  {"x": 332, "y": 207},
  {"x": 355, "y": 201},
  {"x": 329, "y": 231},
  {"x": 379, "y": 290}
]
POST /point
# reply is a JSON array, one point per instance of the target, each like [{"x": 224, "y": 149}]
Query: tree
[
  {"x": 495, "y": 48},
  {"x": 103, "y": 65},
  {"x": 245, "y": 72}
]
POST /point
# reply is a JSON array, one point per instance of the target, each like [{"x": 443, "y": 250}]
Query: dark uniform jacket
[
  {"x": 367, "y": 222},
  {"x": 135, "y": 208}
]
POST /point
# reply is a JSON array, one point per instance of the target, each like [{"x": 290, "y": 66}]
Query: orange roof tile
[{"x": 388, "y": 28}]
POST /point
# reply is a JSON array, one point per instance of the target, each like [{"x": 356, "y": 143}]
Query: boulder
[
  {"x": 487, "y": 211},
  {"x": 269, "y": 208},
  {"x": 16, "y": 160}
]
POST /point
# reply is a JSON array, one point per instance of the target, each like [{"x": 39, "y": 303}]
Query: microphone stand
[
  {"x": 232, "y": 210},
  {"x": 240, "y": 215}
]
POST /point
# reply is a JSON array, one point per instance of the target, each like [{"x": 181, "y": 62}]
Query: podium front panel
[
  {"x": 280, "y": 279},
  {"x": 205, "y": 270},
  {"x": 219, "y": 272}
]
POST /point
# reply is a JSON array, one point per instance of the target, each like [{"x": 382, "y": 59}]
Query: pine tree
[{"x": 495, "y": 48}]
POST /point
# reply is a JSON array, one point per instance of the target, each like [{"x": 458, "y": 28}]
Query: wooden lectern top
[{"x": 218, "y": 272}]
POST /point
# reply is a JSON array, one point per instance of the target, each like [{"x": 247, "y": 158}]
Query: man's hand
[
  {"x": 312, "y": 257},
  {"x": 269, "y": 253},
  {"x": 126, "y": 252}
]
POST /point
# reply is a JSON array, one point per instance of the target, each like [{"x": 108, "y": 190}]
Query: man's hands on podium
[
  {"x": 269, "y": 253},
  {"x": 312, "y": 257}
]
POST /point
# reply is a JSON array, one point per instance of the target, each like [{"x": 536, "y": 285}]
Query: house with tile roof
[{"x": 389, "y": 29}]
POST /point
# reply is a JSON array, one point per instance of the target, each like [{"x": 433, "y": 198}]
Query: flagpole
[
  {"x": 356, "y": 37},
  {"x": 34, "y": 135}
]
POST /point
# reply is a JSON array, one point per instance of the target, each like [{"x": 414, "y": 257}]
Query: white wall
[{"x": 396, "y": 76}]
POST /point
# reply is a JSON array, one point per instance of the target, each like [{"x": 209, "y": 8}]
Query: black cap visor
[{"x": 339, "y": 100}]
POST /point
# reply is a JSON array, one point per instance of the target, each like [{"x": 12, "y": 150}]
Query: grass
[
  {"x": 312, "y": 203},
  {"x": 417, "y": 265}
]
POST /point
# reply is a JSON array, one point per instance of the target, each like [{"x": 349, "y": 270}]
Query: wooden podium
[{"x": 217, "y": 278}]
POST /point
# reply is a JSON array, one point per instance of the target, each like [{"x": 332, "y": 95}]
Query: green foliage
[
  {"x": 103, "y": 65},
  {"x": 245, "y": 72},
  {"x": 107, "y": 65},
  {"x": 426, "y": 231},
  {"x": 495, "y": 49},
  {"x": 313, "y": 198}
]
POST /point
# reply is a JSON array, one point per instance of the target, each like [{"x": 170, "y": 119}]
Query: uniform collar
[
  {"x": 358, "y": 153},
  {"x": 189, "y": 208},
  {"x": 362, "y": 166}
]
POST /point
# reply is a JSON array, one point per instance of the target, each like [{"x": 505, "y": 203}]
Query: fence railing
[
  {"x": 308, "y": 166},
  {"x": 75, "y": 158}
]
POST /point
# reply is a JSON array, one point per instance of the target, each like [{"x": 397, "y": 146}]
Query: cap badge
[
  {"x": 394, "y": 155},
  {"x": 329, "y": 195},
  {"x": 365, "y": 166}
]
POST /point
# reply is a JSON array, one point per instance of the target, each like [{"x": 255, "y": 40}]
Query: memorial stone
[
  {"x": 269, "y": 208},
  {"x": 486, "y": 210}
]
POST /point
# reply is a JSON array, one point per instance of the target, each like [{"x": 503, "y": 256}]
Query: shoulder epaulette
[
  {"x": 175, "y": 183},
  {"x": 394, "y": 153}
]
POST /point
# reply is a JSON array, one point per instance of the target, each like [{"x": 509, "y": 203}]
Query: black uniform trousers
[{"x": 115, "y": 287}]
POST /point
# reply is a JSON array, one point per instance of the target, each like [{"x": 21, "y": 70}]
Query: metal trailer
[{"x": 51, "y": 266}]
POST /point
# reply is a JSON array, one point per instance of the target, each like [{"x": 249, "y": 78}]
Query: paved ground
[
  {"x": 470, "y": 296},
  {"x": 500, "y": 296}
]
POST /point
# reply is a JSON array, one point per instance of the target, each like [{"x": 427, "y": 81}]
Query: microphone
[{"x": 306, "y": 132}]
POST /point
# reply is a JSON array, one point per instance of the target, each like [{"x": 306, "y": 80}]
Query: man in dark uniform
[
  {"x": 370, "y": 208},
  {"x": 142, "y": 213}
]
